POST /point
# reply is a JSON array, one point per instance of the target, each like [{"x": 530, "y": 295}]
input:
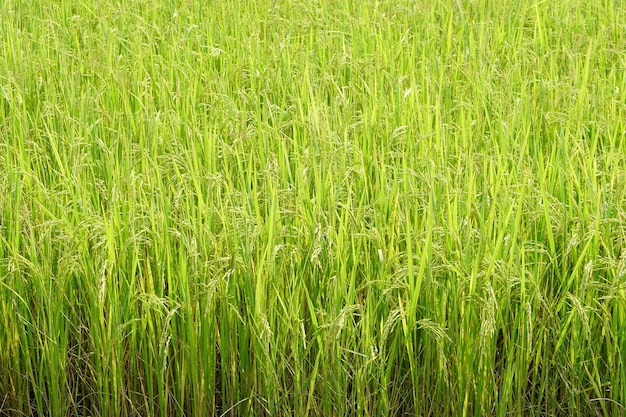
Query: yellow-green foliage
[{"x": 312, "y": 208}]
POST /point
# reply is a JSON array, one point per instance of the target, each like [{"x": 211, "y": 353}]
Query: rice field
[{"x": 312, "y": 208}]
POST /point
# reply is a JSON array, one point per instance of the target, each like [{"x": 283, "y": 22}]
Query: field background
[{"x": 312, "y": 208}]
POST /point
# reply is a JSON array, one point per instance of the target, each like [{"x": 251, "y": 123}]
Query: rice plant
[{"x": 312, "y": 208}]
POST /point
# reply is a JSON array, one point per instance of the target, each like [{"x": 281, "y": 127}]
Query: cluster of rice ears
[{"x": 312, "y": 208}]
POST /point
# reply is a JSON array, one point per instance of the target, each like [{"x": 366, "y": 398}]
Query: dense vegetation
[{"x": 312, "y": 208}]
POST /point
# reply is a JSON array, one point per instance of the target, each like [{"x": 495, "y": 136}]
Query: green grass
[{"x": 312, "y": 208}]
